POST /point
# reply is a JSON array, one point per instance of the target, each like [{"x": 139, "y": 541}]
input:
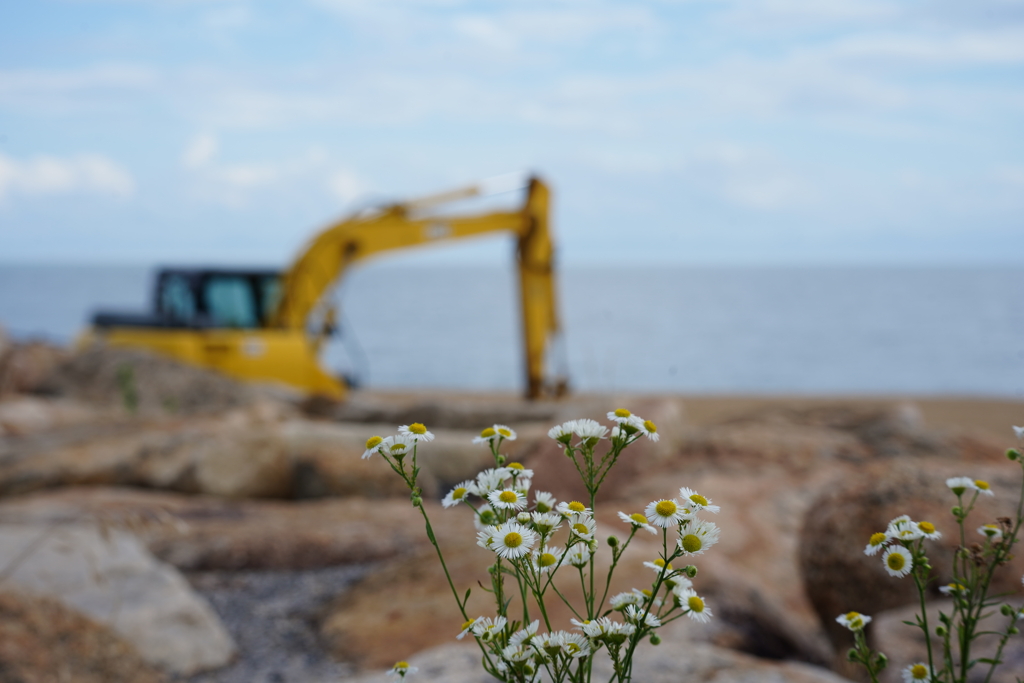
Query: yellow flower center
[
  {"x": 468, "y": 624},
  {"x": 851, "y": 616},
  {"x": 877, "y": 538},
  {"x": 661, "y": 563},
  {"x": 926, "y": 527},
  {"x": 515, "y": 466},
  {"x": 983, "y": 485},
  {"x": 695, "y": 604},
  {"x": 398, "y": 447},
  {"x": 919, "y": 672},
  {"x": 638, "y": 518},
  {"x": 581, "y": 529},
  {"x": 896, "y": 561},
  {"x": 508, "y": 497},
  {"x": 546, "y": 560},
  {"x": 622, "y": 412},
  {"x": 513, "y": 540},
  {"x": 417, "y": 428},
  {"x": 373, "y": 442},
  {"x": 577, "y": 506},
  {"x": 459, "y": 493},
  {"x": 666, "y": 508},
  {"x": 488, "y": 432},
  {"x": 691, "y": 543},
  {"x": 572, "y": 648},
  {"x": 647, "y": 592},
  {"x": 699, "y": 499},
  {"x": 505, "y": 432},
  {"x": 401, "y": 665},
  {"x": 650, "y": 426},
  {"x": 990, "y": 529}
]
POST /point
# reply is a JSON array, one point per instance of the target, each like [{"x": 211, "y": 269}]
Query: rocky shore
[{"x": 162, "y": 523}]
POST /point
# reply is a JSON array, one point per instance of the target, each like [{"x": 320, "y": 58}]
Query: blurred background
[{"x": 803, "y": 196}]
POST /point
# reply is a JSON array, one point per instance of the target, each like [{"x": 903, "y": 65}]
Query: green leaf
[{"x": 993, "y": 662}]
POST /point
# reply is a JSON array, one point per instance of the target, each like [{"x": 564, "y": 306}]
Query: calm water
[{"x": 722, "y": 330}]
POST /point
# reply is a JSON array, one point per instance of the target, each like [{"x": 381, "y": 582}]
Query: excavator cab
[{"x": 199, "y": 299}]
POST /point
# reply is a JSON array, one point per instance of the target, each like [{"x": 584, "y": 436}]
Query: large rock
[
  {"x": 22, "y": 415},
  {"x": 206, "y": 533},
  {"x": 905, "y": 645},
  {"x": 25, "y": 366},
  {"x": 110, "y": 577},
  {"x": 42, "y": 640},
  {"x": 839, "y": 577}
]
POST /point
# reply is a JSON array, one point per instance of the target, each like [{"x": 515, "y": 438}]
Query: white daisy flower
[
  {"x": 622, "y": 600},
  {"x": 517, "y": 653},
  {"x": 855, "y": 621},
  {"x": 903, "y": 528},
  {"x": 373, "y": 445},
  {"x": 620, "y": 415},
  {"x": 929, "y": 531},
  {"x": 697, "y": 536},
  {"x": 694, "y": 606},
  {"x": 523, "y": 636},
  {"x": 398, "y": 446},
  {"x": 665, "y": 513},
  {"x": 401, "y": 669},
  {"x": 517, "y": 470},
  {"x": 543, "y": 501},
  {"x": 467, "y": 627},
  {"x": 983, "y": 487},
  {"x": 917, "y": 672},
  {"x": 569, "y": 508},
  {"x": 547, "y": 645},
  {"x": 637, "y": 520},
  {"x": 875, "y": 543},
  {"x": 634, "y": 614},
  {"x": 563, "y": 432},
  {"x": 658, "y": 564},
  {"x": 1019, "y": 431},
  {"x": 603, "y": 627},
  {"x": 507, "y": 499},
  {"x": 458, "y": 494},
  {"x": 959, "y": 485},
  {"x": 487, "y": 435},
  {"x": 505, "y": 432},
  {"x": 491, "y": 480},
  {"x": 898, "y": 561},
  {"x": 650, "y": 430},
  {"x": 953, "y": 589},
  {"x": 546, "y": 559},
  {"x": 512, "y": 540},
  {"x": 485, "y": 517},
  {"x": 992, "y": 532},
  {"x": 696, "y": 501},
  {"x": 416, "y": 431},
  {"x": 486, "y": 629},
  {"x": 546, "y": 523},
  {"x": 574, "y": 645},
  {"x": 578, "y": 555},
  {"x": 582, "y": 526},
  {"x": 589, "y": 429}
]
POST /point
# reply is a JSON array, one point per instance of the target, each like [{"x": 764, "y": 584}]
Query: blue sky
[{"x": 691, "y": 131}]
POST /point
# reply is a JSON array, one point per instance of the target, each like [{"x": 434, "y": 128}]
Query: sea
[{"x": 706, "y": 330}]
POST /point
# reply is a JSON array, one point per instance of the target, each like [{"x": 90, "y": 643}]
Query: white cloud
[
  {"x": 48, "y": 175},
  {"x": 200, "y": 151},
  {"x": 65, "y": 90}
]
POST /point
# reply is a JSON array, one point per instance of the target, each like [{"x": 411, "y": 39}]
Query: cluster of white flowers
[
  {"x": 399, "y": 445},
  {"x": 894, "y": 541},
  {"x": 960, "y": 485}
]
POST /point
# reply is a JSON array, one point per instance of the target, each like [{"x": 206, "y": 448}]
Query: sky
[{"x": 741, "y": 132}]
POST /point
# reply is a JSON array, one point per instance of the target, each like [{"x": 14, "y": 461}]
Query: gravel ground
[{"x": 273, "y": 616}]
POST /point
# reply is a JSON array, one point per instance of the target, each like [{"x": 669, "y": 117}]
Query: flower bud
[
  {"x": 501, "y": 460},
  {"x": 941, "y": 631},
  {"x": 851, "y": 654},
  {"x": 417, "y": 501},
  {"x": 613, "y": 542},
  {"x": 655, "y": 639},
  {"x": 1013, "y": 454},
  {"x": 1006, "y": 611},
  {"x": 957, "y": 511},
  {"x": 690, "y": 570},
  {"x": 881, "y": 661},
  {"x": 1013, "y": 630}
]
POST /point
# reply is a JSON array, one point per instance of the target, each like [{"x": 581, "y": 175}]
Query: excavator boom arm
[{"x": 335, "y": 249}]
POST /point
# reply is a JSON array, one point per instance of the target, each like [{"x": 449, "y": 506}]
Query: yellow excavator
[{"x": 266, "y": 326}]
